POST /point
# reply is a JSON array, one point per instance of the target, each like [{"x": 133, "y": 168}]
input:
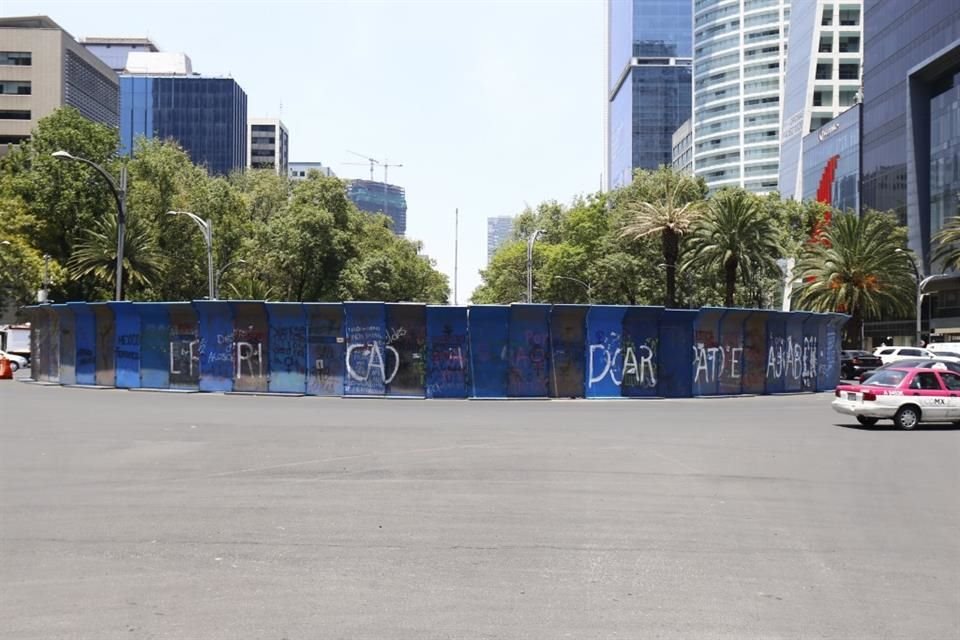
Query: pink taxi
[{"x": 908, "y": 396}]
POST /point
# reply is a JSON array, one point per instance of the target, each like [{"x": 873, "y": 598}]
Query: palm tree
[
  {"x": 734, "y": 235},
  {"x": 855, "y": 268},
  {"x": 948, "y": 244},
  {"x": 667, "y": 207},
  {"x": 95, "y": 256}
]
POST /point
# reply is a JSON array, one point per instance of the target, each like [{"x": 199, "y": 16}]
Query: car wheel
[
  {"x": 13, "y": 365},
  {"x": 907, "y": 417},
  {"x": 867, "y": 422}
]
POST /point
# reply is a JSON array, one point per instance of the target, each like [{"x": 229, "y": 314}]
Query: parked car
[
  {"x": 936, "y": 363},
  {"x": 906, "y": 396},
  {"x": 892, "y": 354},
  {"x": 16, "y": 362},
  {"x": 855, "y": 363},
  {"x": 945, "y": 349}
]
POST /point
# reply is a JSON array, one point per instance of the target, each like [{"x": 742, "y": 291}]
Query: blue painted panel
[
  {"x": 288, "y": 347},
  {"x": 326, "y": 348},
  {"x": 755, "y": 352},
  {"x": 828, "y": 358},
  {"x": 126, "y": 344},
  {"x": 811, "y": 351},
  {"x": 251, "y": 346},
  {"x": 529, "y": 351},
  {"x": 568, "y": 362},
  {"x": 708, "y": 355},
  {"x": 447, "y": 352},
  {"x": 603, "y": 351},
  {"x": 154, "y": 345},
  {"x": 366, "y": 341},
  {"x": 676, "y": 350},
  {"x": 793, "y": 380},
  {"x": 68, "y": 344},
  {"x": 183, "y": 347},
  {"x": 641, "y": 351},
  {"x": 405, "y": 350},
  {"x": 216, "y": 345},
  {"x": 779, "y": 353},
  {"x": 86, "y": 341},
  {"x": 104, "y": 352},
  {"x": 732, "y": 342},
  {"x": 489, "y": 332}
]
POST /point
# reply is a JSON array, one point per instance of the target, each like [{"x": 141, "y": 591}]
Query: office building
[
  {"x": 822, "y": 79},
  {"x": 831, "y": 162},
  {"x": 160, "y": 97},
  {"x": 113, "y": 51},
  {"x": 499, "y": 230},
  {"x": 43, "y": 68},
  {"x": 378, "y": 197},
  {"x": 683, "y": 148},
  {"x": 911, "y": 129},
  {"x": 268, "y": 146},
  {"x": 299, "y": 170},
  {"x": 738, "y": 59},
  {"x": 648, "y": 83}
]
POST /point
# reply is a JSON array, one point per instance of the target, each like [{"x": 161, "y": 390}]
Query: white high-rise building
[
  {"x": 822, "y": 77},
  {"x": 268, "y": 145},
  {"x": 738, "y": 62}
]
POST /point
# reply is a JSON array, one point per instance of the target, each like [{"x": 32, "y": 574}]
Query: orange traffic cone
[{"x": 6, "y": 371}]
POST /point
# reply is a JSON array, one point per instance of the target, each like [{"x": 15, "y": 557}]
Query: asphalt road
[{"x": 148, "y": 515}]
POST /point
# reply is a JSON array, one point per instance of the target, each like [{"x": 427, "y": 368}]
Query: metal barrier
[{"x": 413, "y": 350}]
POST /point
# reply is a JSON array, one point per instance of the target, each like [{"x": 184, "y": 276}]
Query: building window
[
  {"x": 826, "y": 43},
  {"x": 14, "y": 114},
  {"x": 848, "y": 71},
  {"x": 16, "y": 58},
  {"x": 849, "y": 17},
  {"x": 824, "y": 70},
  {"x": 849, "y": 44},
  {"x": 827, "y": 18},
  {"x": 13, "y": 139},
  {"x": 14, "y": 87}
]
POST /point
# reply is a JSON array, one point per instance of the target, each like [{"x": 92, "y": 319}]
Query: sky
[{"x": 489, "y": 105}]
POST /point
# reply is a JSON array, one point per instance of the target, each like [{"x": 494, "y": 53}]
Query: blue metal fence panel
[
  {"x": 489, "y": 365},
  {"x": 251, "y": 346},
  {"x": 288, "y": 347},
  {"x": 793, "y": 380},
  {"x": 326, "y": 348},
  {"x": 86, "y": 340},
  {"x": 828, "y": 358},
  {"x": 603, "y": 351},
  {"x": 405, "y": 350},
  {"x": 447, "y": 352},
  {"x": 708, "y": 356},
  {"x": 779, "y": 354},
  {"x": 732, "y": 354},
  {"x": 126, "y": 344},
  {"x": 216, "y": 345},
  {"x": 106, "y": 375},
  {"x": 366, "y": 328},
  {"x": 810, "y": 351},
  {"x": 568, "y": 333},
  {"x": 154, "y": 344},
  {"x": 68, "y": 344},
  {"x": 676, "y": 353},
  {"x": 641, "y": 351},
  {"x": 528, "y": 351},
  {"x": 184, "y": 347},
  {"x": 755, "y": 352}
]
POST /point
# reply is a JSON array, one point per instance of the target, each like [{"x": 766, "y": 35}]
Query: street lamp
[
  {"x": 530, "y": 241},
  {"x": 581, "y": 283},
  {"x": 44, "y": 294},
  {"x": 223, "y": 270},
  {"x": 206, "y": 227},
  {"x": 120, "y": 195},
  {"x": 920, "y": 283}
]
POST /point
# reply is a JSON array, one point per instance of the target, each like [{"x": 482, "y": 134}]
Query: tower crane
[{"x": 373, "y": 164}]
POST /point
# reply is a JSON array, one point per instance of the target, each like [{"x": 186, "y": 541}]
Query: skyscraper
[
  {"x": 499, "y": 229},
  {"x": 822, "y": 78},
  {"x": 377, "y": 197},
  {"x": 648, "y": 83},
  {"x": 738, "y": 56}
]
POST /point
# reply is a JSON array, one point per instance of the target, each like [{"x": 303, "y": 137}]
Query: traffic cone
[{"x": 6, "y": 371}]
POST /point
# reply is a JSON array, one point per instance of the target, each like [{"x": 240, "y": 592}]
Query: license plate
[{"x": 852, "y": 397}]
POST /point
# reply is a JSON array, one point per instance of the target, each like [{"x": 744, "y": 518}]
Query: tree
[
  {"x": 947, "y": 242},
  {"x": 733, "y": 235},
  {"x": 662, "y": 204},
  {"x": 855, "y": 268}
]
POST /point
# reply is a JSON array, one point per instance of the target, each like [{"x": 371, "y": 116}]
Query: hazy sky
[{"x": 488, "y": 105}]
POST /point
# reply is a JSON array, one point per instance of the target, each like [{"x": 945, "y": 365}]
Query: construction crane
[{"x": 373, "y": 164}]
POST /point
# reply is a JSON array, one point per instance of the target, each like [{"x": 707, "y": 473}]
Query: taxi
[{"x": 908, "y": 396}]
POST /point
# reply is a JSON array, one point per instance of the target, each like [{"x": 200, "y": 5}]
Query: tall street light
[
  {"x": 920, "y": 283},
  {"x": 120, "y": 195},
  {"x": 530, "y": 241},
  {"x": 581, "y": 283},
  {"x": 206, "y": 227}
]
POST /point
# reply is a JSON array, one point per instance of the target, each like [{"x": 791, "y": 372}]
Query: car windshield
[{"x": 887, "y": 378}]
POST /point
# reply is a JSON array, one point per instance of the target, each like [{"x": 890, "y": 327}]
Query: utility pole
[{"x": 456, "y": 251}]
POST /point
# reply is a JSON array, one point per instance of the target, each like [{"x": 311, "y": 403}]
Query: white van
[{"x": 945, "y": 349}]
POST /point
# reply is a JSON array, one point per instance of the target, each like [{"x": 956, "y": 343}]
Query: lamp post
[
  {"x": 206, "y": 227},
  {"x": 581, "y": 283},
  {"x": 120, "y": 195},
  {"x": 223, "y": 270},
  {"x": 43, "y": 295},
  {"x": 920, "y": 283},
  {"x": 530, "y": 241}
]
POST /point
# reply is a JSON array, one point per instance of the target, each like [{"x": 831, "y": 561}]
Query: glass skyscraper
[
  {"x": 378, "y": 197},
  {"x": 649, "y": 88},
  {"x": 206, "y": 116}
]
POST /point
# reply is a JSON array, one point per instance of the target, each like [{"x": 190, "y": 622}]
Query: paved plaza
[{"x": 159, "y": 515}]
